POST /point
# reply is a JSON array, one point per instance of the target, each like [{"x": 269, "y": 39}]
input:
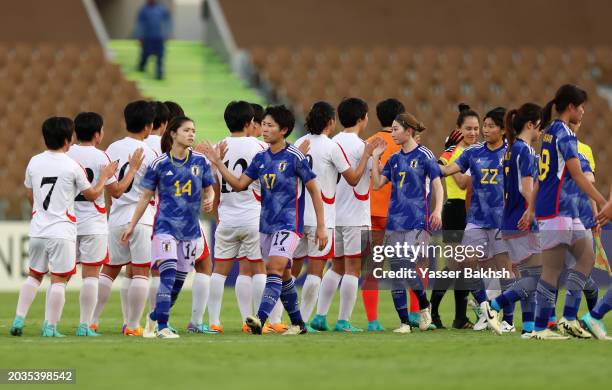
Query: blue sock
[
  {"x": 400, "y": 301},
  {"x": 603, "y": 306},
  {"x": 545, "y": 304},
  {"x": 178, "y": 286},
  {"x": 575, "y": 285},
  {"x": 591, "y": 292},
  {"x": 508, "y": 308},
  {"x": 477, "y": 287},
  {"x": 271, "y": 293},
  {"x": 167, "y": 276},
  {"x": 289, "y": 297}
]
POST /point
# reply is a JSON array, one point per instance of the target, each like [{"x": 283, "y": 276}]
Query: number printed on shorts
[
  {"x": 283, "y": 236},
  {"x": 45, "y": 181}
]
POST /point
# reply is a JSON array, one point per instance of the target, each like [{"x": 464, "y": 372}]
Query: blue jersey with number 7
[{"x": 180, "y": 184}]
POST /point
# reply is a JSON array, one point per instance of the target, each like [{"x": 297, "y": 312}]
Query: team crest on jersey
[
  {"x": 413, "y": 163},
  {"x": 282, "y": 166},
  {"x": 195, "y": 170},
  {"x": 166, "y": 246}
]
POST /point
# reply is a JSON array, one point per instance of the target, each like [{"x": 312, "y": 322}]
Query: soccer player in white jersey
[
  {"x": 352, "y": 225},
  {"x": 92, "y": 227},
  {"x": 136, "y": 255},
  {"x": 53, "y": 180},
  {"x": 237, "y": 233},
  {"x": 327, "y": 160},
  {"x": 162, "y": 116}
]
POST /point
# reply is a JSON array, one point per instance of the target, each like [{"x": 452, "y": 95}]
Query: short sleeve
[
  {"x": 386, "y": 172},
  {"x": 207, "y": 176},
  {"x": 463, "y": 161},
  {"x": 568, "y": 146},
  {"x": 585, "y": 164},
  {"x": 303, "y": 171},
  {"x": 339, "y": 159},
  {"x": 28, "y": 177},
  {"x": 150, "y": 179},
  {"x": 432, "y": 169},
  {"x": 81, "y": 178},
  {"x": 252, "y": 170},
  {"x": 526, "y": 161}
]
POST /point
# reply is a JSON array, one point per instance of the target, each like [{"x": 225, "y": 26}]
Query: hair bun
[{"x": 463, "y": 107}]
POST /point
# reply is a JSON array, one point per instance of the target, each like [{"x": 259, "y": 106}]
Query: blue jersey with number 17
[
  {"x": 486, "y": 168},
  {"x": 282, "y": 176},
  {"x": 559, "y": 144},
  {"x": 180, "y": 184}
]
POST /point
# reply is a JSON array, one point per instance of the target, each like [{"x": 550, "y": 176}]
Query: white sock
[
  {"x": 199, "y": 297},
  {"x": 55, "y": 303},
  {"x": 104, "y": 290},
  {"x": 123, "y": 293},
  {"x": 215, "y": 298},
  {"x": 310, "y": 293},
  {"x": 329, "y": 285},
  {"x": 153, "y": 286},
  {"x": 136, "y": 299},
  {"x": 348, "y": 296},
  {"x": 244, "y": 295},
  {"x": 27, "y": 293},
  {"x": 258, "y": 287},
  {"x": 88, "y": 298},
  {"x": 276, "y": 315}
]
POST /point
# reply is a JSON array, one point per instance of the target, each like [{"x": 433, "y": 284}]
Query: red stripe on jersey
[
  {"x": 33, "y": 212},
  {"x": 72, "y": 218},
  {"x": 101, "y": 210},
  {"x": 363, "y": 197},
  {"x": 331, "y": 200},
  {"x": 257, "y": 197},
  {"x": 296, "y": 206},
  {"x": 344, "y": 154}
]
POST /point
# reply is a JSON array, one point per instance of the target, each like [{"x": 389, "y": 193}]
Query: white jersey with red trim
[
  {"x": 91, "y": 216},
  {"x": 242, "y": 208},
  {"x": 123, "y": 208},
  {"x": 353, "y": 203},
  {"x": 55, "y": 180},
  {"x": 154, "y": 142},
  {"x": 328, "y": 161}
]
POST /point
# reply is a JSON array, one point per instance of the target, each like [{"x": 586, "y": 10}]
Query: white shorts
[
  {"x": 560, "y": 230},
  {"x": 241, "y": 243},
  {"x": 138, "y": 249},
  {"x": 281, "y": 243},
  {"x": 522, "y": 246},
  {"x": 166, "y": 247},
  {"x": 307, "y": 246},
  {"x": 92, "y": 249},
  {"x": 570, "y": 261},
  {"x": 351, "y": 241},
  {"x": 414, "y": 238},
  {"x": 490, "y": 240},
  {"x": 56, "y": 254}
]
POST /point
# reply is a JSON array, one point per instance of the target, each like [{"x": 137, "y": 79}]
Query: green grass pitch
[{"x": 232, "y": 360}]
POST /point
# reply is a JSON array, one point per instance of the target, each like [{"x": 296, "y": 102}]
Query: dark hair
[
  {"x": 388, "y": 110},
  {"x": 567, "y": 94},
  {"x": 407, "y": 120},
  {"x": 86, "y": 125},
  {"x": 138, "y": 115},
  {"x": 237, "y": 115},
  {"x": 283, "y": 116},
  {"x": 259, "y": 112},
  {"x": 56, "y": 131},
  {"x": 166, "y": 139},
  {"x": 465, "y": 111},
  {"x": 162, "y": 114},
  {"x": 517, "y": 118},
  {"x": 351, "y": 110},
  {"x": 319, "y": 116},
  {"x": 174, "y": 109},
  {"x": 497, "y": 115}
]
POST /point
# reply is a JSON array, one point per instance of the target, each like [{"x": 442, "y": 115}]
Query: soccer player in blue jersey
[
  {"x": 283, "y": 173},
  {"x": 518, "y": 229},
  {"x": 593, "y": 319},
  {"x": 484, "y": 161},
  {"x": 411, "y": 172},
  {"x": 182, "y": 177},
  {"x": 558, "y": 221}
]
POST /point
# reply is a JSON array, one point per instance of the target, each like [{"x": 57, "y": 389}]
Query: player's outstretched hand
[
  {"x": 453, "y": 139},
  {"x": 136, "y": 159},
  {"x": 304, "y": 147},
  {"x": 372, "y": 145},
  {"x": 379, "y": 149},
  {"x": 109, "y": 170},
  {"x": 125, "y": 237},
  {"x": 526, "y": 220},
  {"x": 435, "y": 221},
  {"x": 605, "y": 215},
  {"x": 321, "y": 237},
  {"x": 211, "y": 153},
  {"x": 222, "y": 148}
]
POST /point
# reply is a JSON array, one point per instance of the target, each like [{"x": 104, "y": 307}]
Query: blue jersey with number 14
[{"x": 180, "y": 184}]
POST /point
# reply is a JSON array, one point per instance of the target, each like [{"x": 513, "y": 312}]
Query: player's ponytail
[
  {"x": 567, "y": 94},
  {"x": 407, "y": 121},
  {"x": 173, "y": 126},
  {"x": 516, "y": 119},
  {"x": 319, "y": 117}
]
